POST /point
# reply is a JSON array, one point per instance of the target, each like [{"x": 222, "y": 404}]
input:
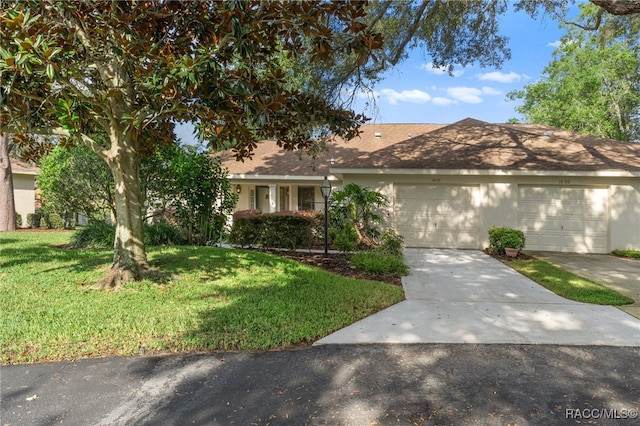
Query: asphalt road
[{"x": 431, "y": 384}]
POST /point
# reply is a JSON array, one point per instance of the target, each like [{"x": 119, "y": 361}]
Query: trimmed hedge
[
  {"x": 54, "y": 221},
  {"x": 33, "y": 219},
  {"x": 288, "y": 230}
]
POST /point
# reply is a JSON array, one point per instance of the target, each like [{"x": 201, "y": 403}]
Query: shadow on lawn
[
  {"x": 34, "y": 254},
  {"x": 293, "y": 305},
  {"x": 213, "y": 262}
]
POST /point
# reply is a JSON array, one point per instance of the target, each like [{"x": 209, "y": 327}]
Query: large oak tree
[{"x": 593, "y": 83}]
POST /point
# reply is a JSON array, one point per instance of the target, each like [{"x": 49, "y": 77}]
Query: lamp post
[{"x": 325, "y": 188}]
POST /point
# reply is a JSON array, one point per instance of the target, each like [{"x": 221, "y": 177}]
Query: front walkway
[{"x": 465, "y": 296}]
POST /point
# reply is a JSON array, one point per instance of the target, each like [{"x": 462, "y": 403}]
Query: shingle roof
[
  {"x": 269, "y": 159},
  {"x": 474, "y": 144},
  {"x": 466, "y": 144},
  {"x": 21, "y": 167}
]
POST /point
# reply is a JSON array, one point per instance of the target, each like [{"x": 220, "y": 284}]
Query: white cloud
[
  {"x": 440, "y": 70},
  {"x": 468, "y": 95},
  {"x": 414, "y": 96},
  {"x": 443, "y": 101},
  {"x": 500, "y": 77},
  {"x": 556, "y": 43},
  {"x": 491, "y": 91}
]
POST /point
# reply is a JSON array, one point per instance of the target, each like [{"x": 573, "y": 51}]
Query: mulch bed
[
  {"x": 338, "y": 263},
  {"x": 505, "y": 258}
]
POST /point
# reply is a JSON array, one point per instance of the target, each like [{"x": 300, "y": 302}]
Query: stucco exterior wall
[
  {"x": 24, "y": 195},
  {"x": 498, "y": 198},
  {"x": 625, "y": 215}
]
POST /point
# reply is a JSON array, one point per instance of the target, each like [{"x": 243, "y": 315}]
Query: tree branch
[
  {"x": 619, "y": 7},
  {"x": 595, "y": 26},
  {"x": 393, "y": 60}
]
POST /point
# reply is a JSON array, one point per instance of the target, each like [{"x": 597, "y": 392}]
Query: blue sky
[{"x": 414, "y": 92}]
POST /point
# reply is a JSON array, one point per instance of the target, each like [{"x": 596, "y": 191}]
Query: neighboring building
[
  {"x": 277, "y": 180},
  {"x": 24, "y": 188},
  {"x": 449, "y": 184}
]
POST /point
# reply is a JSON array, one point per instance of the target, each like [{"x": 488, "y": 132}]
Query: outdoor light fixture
[
  {"x": 325, "y": 188},
  {"x": 238, "y": 189}
]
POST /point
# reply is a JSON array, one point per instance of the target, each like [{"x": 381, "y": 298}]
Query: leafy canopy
[{"x": 593, "y": 83}]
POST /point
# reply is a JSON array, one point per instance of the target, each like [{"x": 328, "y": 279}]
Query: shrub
[
  {"x": 345, "y": 239},
  {"x": 377, "y": 263},
  {"x": 162, "y": 233},
  {"x": 244, "y": 232},
  {"x": 94, "y": 235},
  {"x": 69, "y": 221},
  {"x": 18, "y": 220},
  {"x": 33, "y": 219},
  {"x": 54, "y": 221},
  {"x": 288, "y": 230},
  {"x": 246, "y": 213},
  {"x": 392, "y": 243},
  {"x": 501, "y": 238}
]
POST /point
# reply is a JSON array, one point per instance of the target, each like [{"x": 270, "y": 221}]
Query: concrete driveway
[
  {"x": 622, "y": 275},
  {"x": 465, "y": 296}
]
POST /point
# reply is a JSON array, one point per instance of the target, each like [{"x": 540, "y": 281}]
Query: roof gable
[{"x": 474, "y": 144}]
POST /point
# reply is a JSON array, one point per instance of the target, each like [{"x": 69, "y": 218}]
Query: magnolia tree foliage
[{"x": 113, "y": 76}]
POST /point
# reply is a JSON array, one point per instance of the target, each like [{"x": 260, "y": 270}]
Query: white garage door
[
  {"x": 437, "y": 215},
  {"x": 564, "y": 219}
]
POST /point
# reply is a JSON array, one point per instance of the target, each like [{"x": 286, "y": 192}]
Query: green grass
[
  {"x": 568, "y": 284},
  {"x": 633, "y": 254},
  {"x": 205, "y": 299}
]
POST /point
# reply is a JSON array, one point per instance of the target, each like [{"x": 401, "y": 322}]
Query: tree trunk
[
  {"x": 7, "y": 202},
  {"x": 129, "y": 258}
]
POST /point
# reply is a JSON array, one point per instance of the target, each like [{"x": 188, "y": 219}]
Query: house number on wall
[
  {"x": 565, "y": 181},
  {"x": 435, "y": 180}
]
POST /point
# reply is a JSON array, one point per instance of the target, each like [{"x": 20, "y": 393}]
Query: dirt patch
[{"x": 338, "y": 263}]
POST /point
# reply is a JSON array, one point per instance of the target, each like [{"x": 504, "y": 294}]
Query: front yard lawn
[
  {"x": 204, "y": 299},
  {"x": 568, "y": 284},
  {"x": 631, "y": 254}
]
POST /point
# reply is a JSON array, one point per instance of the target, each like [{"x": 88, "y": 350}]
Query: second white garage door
[
  {"x": 564, "y": 218},
  {"x": 437, "y": 215}
]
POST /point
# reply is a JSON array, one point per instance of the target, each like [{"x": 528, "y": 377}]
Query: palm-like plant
[{"x": 358, "y": 207}]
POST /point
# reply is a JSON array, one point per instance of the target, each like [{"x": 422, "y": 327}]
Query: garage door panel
[
  {"x": 436, "y": 215},
  {"x": 564, "y": 219}
]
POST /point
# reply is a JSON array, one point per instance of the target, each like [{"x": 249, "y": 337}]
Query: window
[{"x": 306, "y": 198}]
